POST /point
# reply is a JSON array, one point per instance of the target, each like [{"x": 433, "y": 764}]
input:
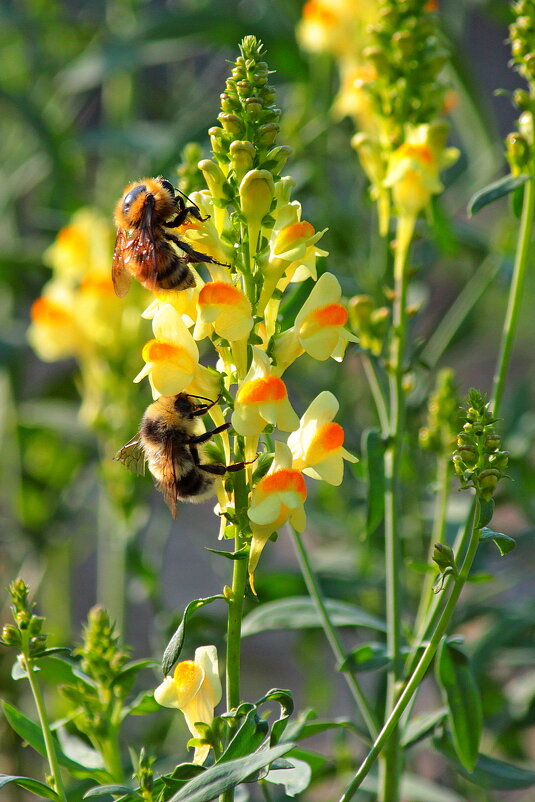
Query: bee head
[
  {"x": 167, "y": 185},
  {"x": 184, "y": 406},
  {"x": 131, "y": 197}
]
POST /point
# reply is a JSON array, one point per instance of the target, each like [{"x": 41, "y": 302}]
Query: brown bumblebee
[
  {"x": 168, "y": 443},
  {"x": 144, "y": 247}
]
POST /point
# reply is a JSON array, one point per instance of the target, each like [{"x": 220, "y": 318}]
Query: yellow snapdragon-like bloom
[
  {"x": 262, "y": 398},
  {"x": 204, "y": 236},
  {"x": 223, "y": 308},
  {"x": 319, "y": 328},
  {"x": 414, "y": 168},
  {"x": 317, "y": 446},
  {"x": 56, "y": 331},
  {"x": 81, "y": 246},
  {"x": 335, "y": 26},
  {"x": 171, "y": 357},
  {"x": 184, "y": 302},
  {"x": 353, "y": 99},
  {"x": 277, "y": 498},
  {"x": 195, "y": 689}
]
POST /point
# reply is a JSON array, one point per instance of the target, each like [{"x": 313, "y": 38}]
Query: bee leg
[
  {"x": 183, "y": 215},
  {"x": 194, "y": 256},
  {"x": 203, "y": 409},
  {"x": 239, "y": 466},
  {"x": 202, "y": 438}
]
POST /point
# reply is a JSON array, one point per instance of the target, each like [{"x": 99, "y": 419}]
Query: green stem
[
  {"x": 437, "y": 536},
  {"x": 370, "y": 369},
  {"x": 412, "y": 685},
  {"x": 330, "y": 632},
  {"x": 111, "y": 753},
  {"x": 515, "y": 294},
  {"x": 391, "y": 766},
  {"x": 45, "y": 728}
]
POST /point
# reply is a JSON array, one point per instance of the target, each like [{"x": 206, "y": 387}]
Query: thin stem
[
  {"x": 370, "y": 369},
  {"x": 437, "y": 535},
  {"x": 412, "y": 685},
  {"x": 45, "y": 728},
  {"x": 391, "y": 767},
  {"x": 330, "y": 632},
  {"x": 515, "y": 294},
  {"x": 235, "y": 607}
]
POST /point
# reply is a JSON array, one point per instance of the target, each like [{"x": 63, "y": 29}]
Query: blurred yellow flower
[
  {"x": 55, "y": 331},
  {"x": 172, "y": 356},
  {"x": 195, "y": 689},
  {"x": 277, "y": 498},
  {"x": 261, "y": 399},
  {"x": 84, "y": 244},
  {"x": 336, "y": 26},
  {"x": 317, "y": 446}
]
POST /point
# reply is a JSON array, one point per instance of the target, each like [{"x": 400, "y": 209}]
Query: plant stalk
[
  {"x": 391, "y": 764},
  {"x": 331, "y": 634},
  {"x": 413, "y": 683},
  {"x": 515, "y": 294}
]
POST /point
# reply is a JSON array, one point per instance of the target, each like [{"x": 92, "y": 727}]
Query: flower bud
[
  {"x": 242, "y": 154},
  {"x": 231, "y": 123},
  {"x": 279, "y": 155},
  {"x": 469, "y": 455},
  {"x": 11, "y": 635}
]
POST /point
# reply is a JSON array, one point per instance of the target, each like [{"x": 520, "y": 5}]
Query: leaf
[
  {"x": 29, "y": 784},
  {"x": 248, "y": 738},
  {"x": 304, "y": 728},
  {"x": 299, "y": 612},
  {"x": 241, "y": 554},
  {"x": 492, "y": 192},
  {"x": 104, "y": 790},
  {"x": 143, "y": 703},
  {"x": 174, "y": 647},
  {"x": 421, "y": 726},
  {"x": 486, "y": 511},
  {"x": 294, "y": 779},
  {"x": 373, "y": 447},
  {"x": 368, "y": 657},
  {"x": 489, "y": 772},
  {"x": 31, "y": 732},
  {"x": 504, "y": 543},
  {"x": 219, "y": 778},
  {"x": 60, "y": 670},
  {"x": 285, "y": 700},
  {"x": 129, "y": 672},
  {"x": 455, "y": 677}
]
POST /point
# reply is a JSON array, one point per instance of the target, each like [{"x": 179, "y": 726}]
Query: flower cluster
[
  {"x": 439, "y": 434},
  {"x": 78, "y": 314},
  {"x": 389, "y": 57},
  {"x": 257, "y": 233}
]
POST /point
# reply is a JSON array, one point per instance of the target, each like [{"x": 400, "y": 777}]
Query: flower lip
[
  {"x": 283, "y": 481},
  {"x": 220, "y": 293},
  {"x": 268, "y": 388},
  {"x": 48, "y": 312},
  {"x": 330, "y": 315},
  {"x": 158, "y": 351}
]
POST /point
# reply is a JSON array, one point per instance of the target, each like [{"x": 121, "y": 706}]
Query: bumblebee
[
  {"x": 168, "y": 443},
  {"x": 145, "y": 245}
]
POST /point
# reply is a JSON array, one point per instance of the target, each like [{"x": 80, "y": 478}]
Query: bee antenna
[
  {"x": 203, "y": 397},
  {"x": 187, "y": 197}
]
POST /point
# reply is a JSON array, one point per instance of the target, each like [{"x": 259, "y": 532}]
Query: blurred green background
[{"x": 94, "y": 95}]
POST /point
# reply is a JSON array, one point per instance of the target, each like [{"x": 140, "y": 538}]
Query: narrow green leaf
[
  {"x": 373, "y": 449},
  {"x": 143, "y": 703},
  {"x": 219, "y": 778},
  {"x": 504, "y": 543},
  {"x": 58, "y": 668},
  {"x": 241, "y": 554},
  {"x": 488, "y": 772},
  {"x": 486, "y": 511},
  {"x": 105, "y": 790},
  {"x": 461, "y": 692},
  {"x": 492, "y": 192},
  {"x": 29, "y": 784},
  {"x": 31, "y": 732},
  {"x": 295, "y": 779},
  {"x": 285, "y": 700},
  {"x": 304, "y": 728},
  {"x": 299, "y": 612},
  {"x": 174, "y": 647},
  {"x": 420, "y": 727},
  {"x": 368, "y": 657}
]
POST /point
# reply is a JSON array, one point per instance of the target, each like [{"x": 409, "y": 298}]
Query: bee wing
[
  {"x": 132, "y": 456},
  {"x": 168, "y": 483},
  {"x": 119, "y": 274}
]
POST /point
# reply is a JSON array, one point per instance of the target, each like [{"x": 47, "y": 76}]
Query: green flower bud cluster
[
  {"x": 522, "y": 38},
  {"x": 102, "y": 657},
  {"x": 144, "y": 774},
  {"x": 442, "y": 416},
  {"x": 479, "y": 460},
  {"x": 190, "y": 178},
  {"x": 248, "y": 114},
  {"x": 26, "y": 634},
  {"x": 369, "y": 322},
  {"x": 408, "y": 56}
]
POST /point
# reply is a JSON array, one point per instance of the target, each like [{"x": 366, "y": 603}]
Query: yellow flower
[
  {"x": 224, "y": 309},
  {"x": 195, "y": 689},
  {"x": 203, "y": 235},
  {"x": 55, "y": 331},
  {"x": 261, "y": 399},
  {"x": 171, "y": 356},
  {"x": 414, "y": 168},
  {"x": 83, "y": 245},
  {"x": 317, "y": 446},
  {"x": 184, "y": 302},
  {"x": 336, "y": 26},
  {"x": 277, "y": 498},
  {"x": 353, "y": 99},
  {"x": 319, "y": 327}
]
